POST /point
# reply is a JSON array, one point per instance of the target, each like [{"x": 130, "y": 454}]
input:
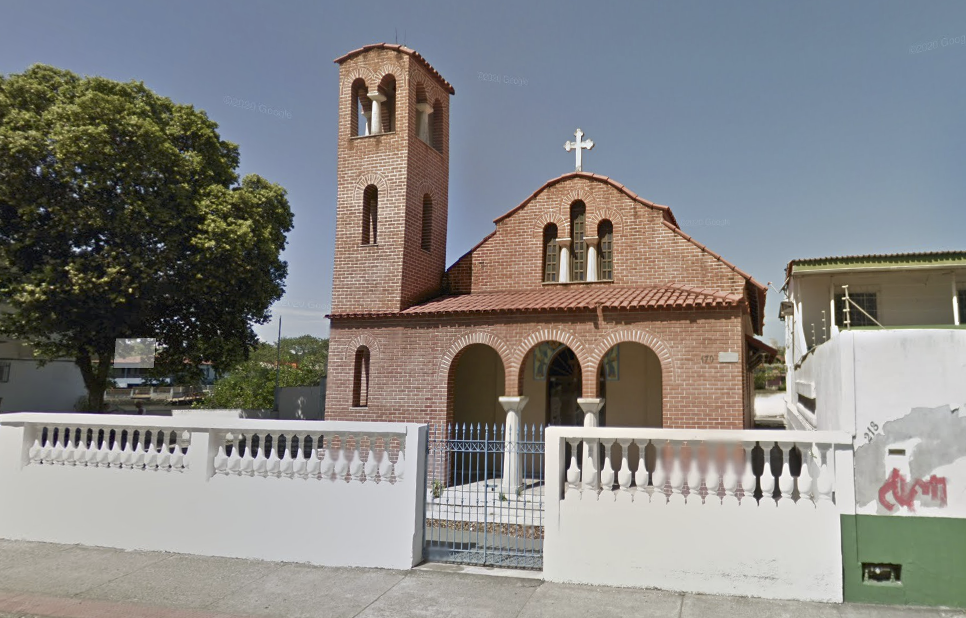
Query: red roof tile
[
  {"x": 403, "y": 50},
  {"x": 579, "y": 297}
]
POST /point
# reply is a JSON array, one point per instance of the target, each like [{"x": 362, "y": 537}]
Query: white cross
[{"x": 578, "y": 145}]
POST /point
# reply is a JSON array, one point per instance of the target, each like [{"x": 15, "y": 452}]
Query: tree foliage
[
  {"x": 121, "y": 215},
  {"x": 251, "y": 385}
]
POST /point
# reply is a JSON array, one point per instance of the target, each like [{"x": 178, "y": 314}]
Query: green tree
[
  {"x": 251, "y": 384},
  {"x": 122, "y": 215}
]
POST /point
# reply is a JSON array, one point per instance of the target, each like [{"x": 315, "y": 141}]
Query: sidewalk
[{"x": 61, "y": 581}]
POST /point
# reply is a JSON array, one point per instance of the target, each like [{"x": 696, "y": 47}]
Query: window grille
[
  {"x": 578, "y": 260},
  {"x": 550, "y": 253},
  {"x": 605, "y": 258},
  {"x": 866, "y": 300}
]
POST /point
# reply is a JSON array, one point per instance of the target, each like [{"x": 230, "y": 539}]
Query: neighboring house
[
  {"x": 586, "y": 304},
  {"x": 27, "y": 387},
  {"x": 130, "y": 373},
  {"x": 889, "y": 366}
]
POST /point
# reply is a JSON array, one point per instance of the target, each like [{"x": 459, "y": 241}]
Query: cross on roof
[{"x": 579, "y": 145}]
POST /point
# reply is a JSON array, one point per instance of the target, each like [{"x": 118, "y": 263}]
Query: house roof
[
  {"x": 877, "y": 261},
  {"x": 403, "y": 50},
  {"x": 564, "y": 298}
]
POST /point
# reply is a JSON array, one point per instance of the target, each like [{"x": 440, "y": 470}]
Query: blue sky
[{"x": 773, "y": 130}]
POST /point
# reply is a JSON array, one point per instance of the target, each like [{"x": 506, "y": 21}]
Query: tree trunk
[{"x": 95, "y": 378}]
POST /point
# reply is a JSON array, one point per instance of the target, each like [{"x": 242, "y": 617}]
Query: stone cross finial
[{"x": 579, "y": 144}]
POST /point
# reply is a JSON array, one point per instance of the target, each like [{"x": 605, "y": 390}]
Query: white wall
[
  {"x": 280, "y": 517},
  {"x": 56, "y": 387},
  {"x": 903, "y": 394},
  {"x": 634, "y": 538}
]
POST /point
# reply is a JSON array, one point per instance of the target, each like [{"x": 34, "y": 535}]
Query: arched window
[
  {"x": 427, "y": 239},
  {"x": 550, "y": 253},
  {"x": 370, "y": 214},
  {"x": 360, "y": 379},
  {"x": 387, "y": 88},
  {"x": 424, "y": 112},
  {"x": 436, "y": 126},
  {"x": 578, "y": 259},
  {"x": 360, "y": 110},
  {"x": 605, "y": 256}
]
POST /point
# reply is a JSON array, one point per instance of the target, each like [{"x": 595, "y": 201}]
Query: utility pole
[{"x": 278, "y": 359}]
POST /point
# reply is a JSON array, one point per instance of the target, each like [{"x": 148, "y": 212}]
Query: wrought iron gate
[{"x": 476, "y": 514}]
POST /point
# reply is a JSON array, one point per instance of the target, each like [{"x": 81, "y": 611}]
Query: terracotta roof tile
[
  {"x": 580, "y": 297},
  {"x": 403, "y": 50}
]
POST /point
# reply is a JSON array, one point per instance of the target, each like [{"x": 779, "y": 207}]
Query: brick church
[{"x": 587, "y": 304}]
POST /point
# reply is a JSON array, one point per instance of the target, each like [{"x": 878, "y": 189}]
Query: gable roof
[
  {"x": 403, "y": 50},
  {"x": 665, "y": 210}
]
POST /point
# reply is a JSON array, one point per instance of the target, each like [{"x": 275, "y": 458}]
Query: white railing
[
  {"x": 362, "y": 485},
  {"x": 751, "y": 513},
  {"x": 700, "y": 466}
]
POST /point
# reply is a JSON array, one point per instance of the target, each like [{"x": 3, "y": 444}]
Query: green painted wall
[{"x": 931, "y": 550}]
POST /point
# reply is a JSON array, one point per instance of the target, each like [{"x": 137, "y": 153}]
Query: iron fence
[{"x": 484, "y": 502}]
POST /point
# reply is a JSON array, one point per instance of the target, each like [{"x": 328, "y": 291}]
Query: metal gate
[{"x": 476, "y": 514}]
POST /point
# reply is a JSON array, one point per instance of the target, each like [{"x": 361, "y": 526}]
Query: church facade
[{"x": 586, "y": 305}]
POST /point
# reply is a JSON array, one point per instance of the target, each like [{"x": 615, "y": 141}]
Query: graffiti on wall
[
  {"x": 898, "y": 491},
  {"x": 914, "y": 464}
]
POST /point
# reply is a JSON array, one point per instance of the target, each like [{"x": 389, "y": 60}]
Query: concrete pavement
[{"x": 39, "y": 580}]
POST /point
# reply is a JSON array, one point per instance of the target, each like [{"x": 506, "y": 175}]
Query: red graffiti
[{"x": 904, "y": 492}]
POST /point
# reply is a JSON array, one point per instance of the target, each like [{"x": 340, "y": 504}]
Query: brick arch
[
  {"x": 364, "y": 339},
  {"x": 537, "y": 337},
  {"x": 605, "y": 212},
  {"x": 463, "y": 341},
  {"x": 355, "y": 73},
  {"x": 395, "y": 70},
  {"x": 426, "y": 188},
  {"x": 432, "y": 91},
  {"x": 371, "y": 178},
  {"x": 550, "y": 217},
  {"x": 635, "y": 335}
]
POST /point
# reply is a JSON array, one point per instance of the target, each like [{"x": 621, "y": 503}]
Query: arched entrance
[
  {"x": 563, "y": 389},
  {"x": 631, "y": 384},
  {"x": 477, "y": 380},
  {"x": 550, "y": 377}
]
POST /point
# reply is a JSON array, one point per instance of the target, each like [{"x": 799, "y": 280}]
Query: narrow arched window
[
  {"x": 578, "y": 259},
  {"x": 605, "y": 258},
  {"x": 360, "y": 109},
  {"x": 370, "y": 215},
  {"x": 550, "y": 253},
  {"x": 360, "y": 379},
  {"x": 427, "y": 239}
]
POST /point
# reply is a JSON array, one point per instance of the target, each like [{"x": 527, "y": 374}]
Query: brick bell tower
[{"x": 393, "y": 175}]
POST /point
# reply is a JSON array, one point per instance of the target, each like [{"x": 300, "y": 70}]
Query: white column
[
  {"x": 422, "y": 123},
  {"x": 591, "y": 407},
  {"x": 955, "y": 303},
  {"x": 564, "y": 244},
  {"x": 377, "y": 99},
  {"x": 512, "y": 475},
  {"x": 591, "y": 257},
  {"x": 367, "y": 130}
]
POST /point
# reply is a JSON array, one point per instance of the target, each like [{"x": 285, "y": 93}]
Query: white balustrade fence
[
  {"x": 751, "y": 513},
  {"x": 348, "y": 494}
]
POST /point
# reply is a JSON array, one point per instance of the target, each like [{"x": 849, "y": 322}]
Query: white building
[
  {"x": 876, "y": 346},
  {"x": 25, "y": 386}
]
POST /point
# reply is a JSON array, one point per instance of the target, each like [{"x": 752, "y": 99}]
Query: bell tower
[{"x": 393, "y": 180}]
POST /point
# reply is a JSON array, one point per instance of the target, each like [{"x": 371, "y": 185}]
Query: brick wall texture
[{"x": 413, "y": 356}]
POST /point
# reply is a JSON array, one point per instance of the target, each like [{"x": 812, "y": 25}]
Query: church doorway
[{"x": 563, "y": 389}]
